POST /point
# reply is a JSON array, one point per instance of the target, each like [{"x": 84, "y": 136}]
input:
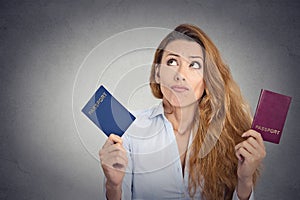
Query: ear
[{"x": 157, "y": 73}]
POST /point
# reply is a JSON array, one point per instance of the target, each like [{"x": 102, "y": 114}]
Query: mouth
[{"x": 179, "y": 88}]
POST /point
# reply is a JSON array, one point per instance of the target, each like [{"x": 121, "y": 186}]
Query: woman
[{"x": 197, "y": 143}]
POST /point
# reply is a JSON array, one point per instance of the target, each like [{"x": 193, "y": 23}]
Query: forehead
[{"x": 184, "y": 48}]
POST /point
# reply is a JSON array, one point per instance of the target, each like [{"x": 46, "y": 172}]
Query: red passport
[{"x": 270, "y": 115}]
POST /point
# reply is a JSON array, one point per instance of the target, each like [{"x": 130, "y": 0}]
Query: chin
[{"x": 183, "y": 104}]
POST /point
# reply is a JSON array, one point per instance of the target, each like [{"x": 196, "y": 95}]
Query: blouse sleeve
[
  {"x": 127, "y": 181},
  {"x": 235, "y": 196}
]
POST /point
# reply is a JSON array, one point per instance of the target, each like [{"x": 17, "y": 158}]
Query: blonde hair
[{"x": 224, "y": 116}]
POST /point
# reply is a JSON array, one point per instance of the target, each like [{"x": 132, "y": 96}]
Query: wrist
[
  {"x": 113, "y": 191},
  {"x": 112, "y": 186},
  {"x": 248, "y": 182},
  {"x": 244, "y": 188}
]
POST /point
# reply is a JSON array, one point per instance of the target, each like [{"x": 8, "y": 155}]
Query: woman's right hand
[{"x": 114, "y": 161}]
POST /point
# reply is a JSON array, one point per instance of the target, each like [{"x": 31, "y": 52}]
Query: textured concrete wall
[{"x": 49, "y": 151}]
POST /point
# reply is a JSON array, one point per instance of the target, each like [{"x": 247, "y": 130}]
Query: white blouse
[{"x": 154, "y": 168}]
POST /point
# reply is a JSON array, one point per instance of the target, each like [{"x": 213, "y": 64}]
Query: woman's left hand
[{"x": 250, "y": 153}]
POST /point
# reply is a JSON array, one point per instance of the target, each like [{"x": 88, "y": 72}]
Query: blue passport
[{"x": 108, "y": 113}]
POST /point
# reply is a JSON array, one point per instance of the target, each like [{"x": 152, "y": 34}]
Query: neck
[{"x": 182, "y": 118}]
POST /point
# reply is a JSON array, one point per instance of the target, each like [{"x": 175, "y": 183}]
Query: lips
[{"x": 179, "y": 88}]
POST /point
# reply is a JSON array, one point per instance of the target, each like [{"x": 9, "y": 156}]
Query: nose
[
  {"x": 180, "y": 72},
  {"x": 179, "y": 77}
]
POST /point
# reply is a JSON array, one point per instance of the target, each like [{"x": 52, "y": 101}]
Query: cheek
[
  {"x": 171, "y": 96},
  {"x": 166, "y": 91},
  {"x": 199, "y": 88},
  {"x": 166, "y": 73}
]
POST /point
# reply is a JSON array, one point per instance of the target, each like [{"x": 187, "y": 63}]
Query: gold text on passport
[{"x": 266, "y": 129}]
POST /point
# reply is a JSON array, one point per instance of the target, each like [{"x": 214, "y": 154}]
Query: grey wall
[{"x": 49, "y": 151}]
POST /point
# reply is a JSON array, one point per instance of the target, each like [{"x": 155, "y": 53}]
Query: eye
[
  {"x": 172, "y": 62},
  {"x": 195, "y": 65}
]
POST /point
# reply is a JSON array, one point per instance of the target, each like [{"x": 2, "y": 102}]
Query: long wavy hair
[{"x": 224, "y": 116}]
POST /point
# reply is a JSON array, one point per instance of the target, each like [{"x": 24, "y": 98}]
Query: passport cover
[
  {"x": 270, "y": 115},
  {"x": 108, "y": 113}
]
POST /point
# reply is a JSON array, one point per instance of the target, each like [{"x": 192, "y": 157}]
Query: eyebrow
[{"x": 176, "y": 55}]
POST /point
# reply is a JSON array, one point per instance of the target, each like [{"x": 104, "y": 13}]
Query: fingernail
[
  {"x": 244, "y": 134},
  {"x": 239, "y": 158}
]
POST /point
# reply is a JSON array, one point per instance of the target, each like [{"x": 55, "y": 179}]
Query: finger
[
  {"x": 257, "y": 153},
  {"x": 115, "y": 138},
  {"x": 254, "y": 134},
  {"x": 251, "y": 146},
  {"x": 107, "y": 143},
  {"x": 250, "y": 141},
  {"x": 104, "y": 152},
  {"x": 112, "y": 139},
  {"x": 245, "y": 144},
  {"x": 112, "y": 148},
  {"x": 113, "y": 166},
  {"x": 121, "y": 158},
  {"x": 115, "y": 159},
  {"x": 121, "y": 153},
  {"x": 116, "y": 147},
  {"x": 239, "y": 157},
  {"x": 254, "y": 143},
  {"x": 239, "y": 145},
  {"x": 260, "y": 151},
  {"x": 242, "y": 152}
]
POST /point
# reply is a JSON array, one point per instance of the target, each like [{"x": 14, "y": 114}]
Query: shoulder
[
  {"x": 146, "y": 120},
  {"x": 149, "y": 113}
]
